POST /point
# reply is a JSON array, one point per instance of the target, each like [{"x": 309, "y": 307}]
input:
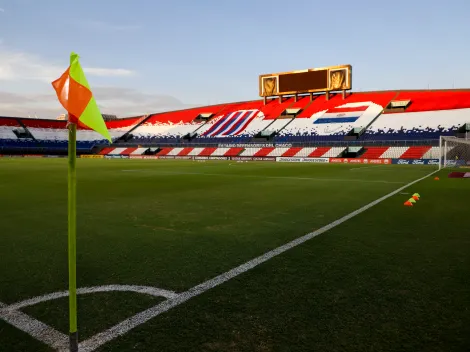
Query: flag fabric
[
  {"x": 75, "y": 96},
  {"x": 342, "y": 115}
]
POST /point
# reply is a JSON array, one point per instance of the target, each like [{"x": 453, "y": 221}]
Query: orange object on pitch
[
  {"x": 408, "y": 203},
  {"x": 415, "y": 197},
  {"x": 436, "y": 178}
]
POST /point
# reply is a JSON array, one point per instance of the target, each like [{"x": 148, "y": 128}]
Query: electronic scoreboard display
[{"x": 325, "y": 79}]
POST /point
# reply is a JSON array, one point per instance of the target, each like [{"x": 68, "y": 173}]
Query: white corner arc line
[
  {"x": 34, "y": 328},
  {"x": 149, "y": 290},
  {"x": 126, "y": 325}
]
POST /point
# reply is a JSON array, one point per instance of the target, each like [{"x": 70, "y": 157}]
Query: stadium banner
[
  {"x": 211, "y": 158},
  {"x": 186, "y": 157},
  {"x": 166, "y": 157},
  {"x": 302, "y": 160},
  {"x": 143, "y": 157},
  {"x": 91, "y": 156},
  {"x": 360, "y": 161},
  {"x": 256, "y": 145},
  {"x": 32, "y": 156},
  {"x": 252, "y": 158},
  {"x": 415, "y": 161},
  {"x": 116, "y": 156}
]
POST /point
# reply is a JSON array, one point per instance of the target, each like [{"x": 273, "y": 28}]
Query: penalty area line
[{"x": 140, "y": 318}]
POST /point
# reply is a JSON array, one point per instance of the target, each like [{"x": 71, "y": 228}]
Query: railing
[{"x": 420, "y": 142}]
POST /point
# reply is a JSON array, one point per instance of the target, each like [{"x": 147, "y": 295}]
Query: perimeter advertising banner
[
  {"x": 360, "y": 161},
  {"x": 302, "y": 160},
  {"x": 91, "y": 156},
  {"x": 253, "y": 158},
  {"x": 415, "y": 161},
  {"x": 143, "y": 157}
]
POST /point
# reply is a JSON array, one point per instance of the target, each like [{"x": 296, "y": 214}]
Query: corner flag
[{"x": 74, "y": 94}]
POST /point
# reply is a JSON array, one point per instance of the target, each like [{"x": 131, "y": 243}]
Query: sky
[{"x": 144, "y": 56}]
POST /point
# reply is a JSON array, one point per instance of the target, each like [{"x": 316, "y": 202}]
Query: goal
[{"x": 454, "y": 152}]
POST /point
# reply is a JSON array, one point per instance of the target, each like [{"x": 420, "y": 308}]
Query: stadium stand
[{"x": 389, "y": 124}]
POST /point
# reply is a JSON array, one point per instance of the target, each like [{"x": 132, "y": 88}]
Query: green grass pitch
[{"x": 392, "y": 278}]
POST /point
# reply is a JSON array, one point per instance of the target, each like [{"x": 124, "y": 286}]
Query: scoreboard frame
[{"x": 314, "y": 80}]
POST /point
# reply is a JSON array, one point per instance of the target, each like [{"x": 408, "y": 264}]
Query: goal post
[{"x": 453, "y": 152}]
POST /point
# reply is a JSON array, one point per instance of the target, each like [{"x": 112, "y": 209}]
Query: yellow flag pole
[{"x": 72, "y": 235}]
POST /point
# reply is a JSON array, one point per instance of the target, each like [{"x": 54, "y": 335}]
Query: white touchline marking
[
  {"x": 126, "y": 325},
  {"x": 153, "y": 291},
  {"x": 35, "y": 328}
]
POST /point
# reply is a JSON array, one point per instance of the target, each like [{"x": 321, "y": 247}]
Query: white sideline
[{"x": 125, "y": 326}]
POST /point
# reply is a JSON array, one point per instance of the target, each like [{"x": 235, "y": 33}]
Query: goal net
[{"x": 454, "y": 152}]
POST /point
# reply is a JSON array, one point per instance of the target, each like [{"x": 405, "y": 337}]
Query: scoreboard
[{"x": 325, "y": 79}]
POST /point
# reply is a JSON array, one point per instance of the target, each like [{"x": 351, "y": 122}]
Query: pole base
[{"x": 73, "y": 339}]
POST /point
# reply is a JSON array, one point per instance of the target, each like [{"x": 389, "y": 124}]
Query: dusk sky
[{"x": 143, "y": 56}]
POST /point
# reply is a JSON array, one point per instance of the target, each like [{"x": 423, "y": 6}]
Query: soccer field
[{"x": 190, "y": 244}]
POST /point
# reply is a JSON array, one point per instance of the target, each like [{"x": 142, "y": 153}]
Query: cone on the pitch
[
  {"x": 408, "y": 203},
  {"x": 411, "y": 200},
  {"x": 436, "y": 178},
  {"x": 415, "y": 197}
]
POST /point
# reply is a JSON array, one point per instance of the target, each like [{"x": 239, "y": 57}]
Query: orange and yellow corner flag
[{"x": 75, "y": 95}]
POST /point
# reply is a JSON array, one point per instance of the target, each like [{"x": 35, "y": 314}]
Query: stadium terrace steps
[
  {"x": 105, "y": 150},
  {"x": 233, "y": 151},
  {"x": 117, "y": 151},
  {"x": 383, "y": 152},
  {"x": 128, "y": 151},
  {"x": 185, "y": 151},
  {"x": 291, "y": 152},
  {"x": 139, "y": 151},
  {"x": 278, "y": 124},
  {"x": 394, "y": 152},
  {"x": 207, "y": 151},
  {"x": 164, "y": 151},
  {"x": 175, "y": 151},
  {"x": 278, "y": 151},
  {"x": 273, "y": 108},
  {"x": 334, "y": 152},
  {"x": 264, "y": 151},
  {"x": 433, "y": 153},
  {"x": 415, "y": 152},
  {"x": 319, "y": 152},
  {"x": 429, "y": 115},
  {"x": 249, "y": 151},
  {"x": 195, "y": 151},
  {"x": 373, "y": 152}
]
